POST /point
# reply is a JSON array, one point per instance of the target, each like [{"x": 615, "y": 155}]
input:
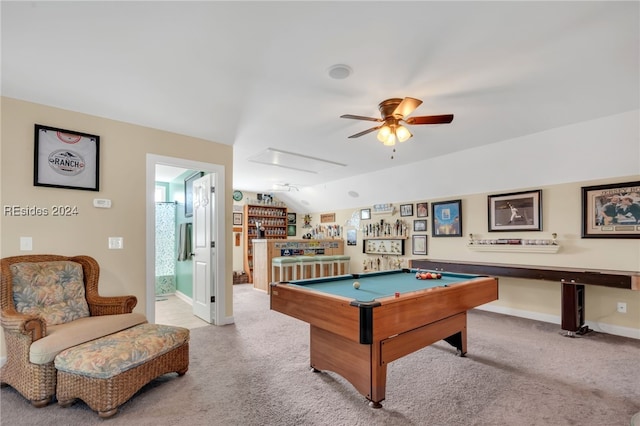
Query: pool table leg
[
  {"x": 358, "y": 363},
  {"x": 459, "y": 341}
]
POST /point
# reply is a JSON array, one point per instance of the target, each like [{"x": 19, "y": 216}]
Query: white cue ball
[{"x": 356, "y": 285}]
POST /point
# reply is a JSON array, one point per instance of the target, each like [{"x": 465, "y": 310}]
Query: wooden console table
[{"x": 572, "y": 280}]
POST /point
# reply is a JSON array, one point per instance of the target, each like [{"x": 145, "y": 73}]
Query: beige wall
[
  {"x": 123, "y": 150},
  {"x": 561, "y": 213}
]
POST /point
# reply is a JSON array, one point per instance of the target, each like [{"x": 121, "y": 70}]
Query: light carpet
[{"x": 256, "y": 372}]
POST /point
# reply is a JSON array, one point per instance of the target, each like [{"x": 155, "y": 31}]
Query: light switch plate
[
  {"x": 116, "y": 242},
  {"x": 26, "y": 243}
]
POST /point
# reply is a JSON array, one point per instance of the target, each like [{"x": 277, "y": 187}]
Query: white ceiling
[{"x": 255, "y": 74}]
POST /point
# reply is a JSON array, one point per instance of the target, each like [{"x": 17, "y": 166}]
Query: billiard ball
[
  {"x": 439, "y": 276},
  {"x": 356, "y": 285}
]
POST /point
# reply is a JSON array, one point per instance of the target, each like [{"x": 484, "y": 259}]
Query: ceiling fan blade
[
  {"x": 430, "y": 119},
  {"x": 407, "y": 106},
  {"x": 359, "y": 117},
  {"x": 357, "y": 135}
]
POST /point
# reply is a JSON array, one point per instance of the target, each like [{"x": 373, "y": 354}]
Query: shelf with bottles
[
  {"x": 267, "y": 220},
  {"x": 266, "y": 211}
]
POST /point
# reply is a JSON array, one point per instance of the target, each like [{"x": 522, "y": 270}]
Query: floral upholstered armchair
[{"x": 50, "y": 303}]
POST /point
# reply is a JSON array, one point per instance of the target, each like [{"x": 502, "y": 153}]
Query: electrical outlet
[{"x": 622, "y": 307}]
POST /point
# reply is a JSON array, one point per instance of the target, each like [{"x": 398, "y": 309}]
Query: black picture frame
[
  {"x": 237, "y": 219},
  {"x": 419, "y": 244},
  {"x": 604, "y": 217},
  {"x": 66, "y": 159},
  {"x": 291, "y": 218},
  {"x": 420, "y": 225},
  {"x": 365, "y": 214},
  {"x": 422, "y": 209},
  {"x": 446, "y": 218},
  {"x": 516, "y": 211},
  {"x": 291, "y": 230},
  {"x": 406, "y": 210},
  {"x": 188, "y": 193}
]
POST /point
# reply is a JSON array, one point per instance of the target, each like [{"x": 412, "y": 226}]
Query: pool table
[{"x": 357, "y": 332}]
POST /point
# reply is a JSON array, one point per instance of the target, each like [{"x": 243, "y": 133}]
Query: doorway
[{"x": 219, "y": 290}]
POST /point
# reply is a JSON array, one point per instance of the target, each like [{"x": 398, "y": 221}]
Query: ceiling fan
[
  {"x": 394, "y": 112},
  {"x": 285, "y": 187}
]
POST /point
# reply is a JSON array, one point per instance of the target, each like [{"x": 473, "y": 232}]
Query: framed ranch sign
[{"x": 66, "y": 159}]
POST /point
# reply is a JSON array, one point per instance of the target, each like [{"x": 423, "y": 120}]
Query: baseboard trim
[
  {"x": 616, "y": 330},
  {"x": 180, "y": 295},
  {"x": 227, "y": 320}
]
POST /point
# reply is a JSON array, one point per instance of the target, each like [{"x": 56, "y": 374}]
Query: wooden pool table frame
[{"x": 358, "y": 340}]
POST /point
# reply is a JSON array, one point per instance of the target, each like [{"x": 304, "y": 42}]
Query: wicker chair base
[
  {"x": 36, "y": 382},
  {"x": 106, "y": 395}
]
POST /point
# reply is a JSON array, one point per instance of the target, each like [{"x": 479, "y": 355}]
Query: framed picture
[
  {"x": 66, "y": 159},
  {"x": 420, "y": 225},
  {"x": 291, "y": 218},
  {"x": 237, "y": 218},
  {"x": 518, "y": 211},
  {"x": 365, "y": 214},
  {"x": 446, "y": 218},
  {"x": 406, "y": 209},
  {"x": 327, "y": 217},
  {"x": 419, "y": 244},
  {"x": 611, "y": 211},
  {"x": 188, "y": 193},
  {"x": 352, "y": 238},
  {"x": 422, "y": 209},
  {"x": 291, "y": 230}
]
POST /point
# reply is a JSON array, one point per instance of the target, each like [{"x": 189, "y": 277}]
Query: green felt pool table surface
[{"x": 376, "y": 285}]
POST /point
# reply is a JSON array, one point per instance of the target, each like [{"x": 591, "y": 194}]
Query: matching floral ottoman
[{"x": 106, "y": 372}]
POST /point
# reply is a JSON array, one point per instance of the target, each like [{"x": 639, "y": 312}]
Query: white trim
[
  {"x": 616, "y": 330},
  {"x": 220, "y": 290},
  {"x": 180, "y": 295}
]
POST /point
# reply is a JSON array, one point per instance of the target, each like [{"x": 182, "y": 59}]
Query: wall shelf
[
  {"x": 273, "y": 219},
  {"x": 515, "y": 248}
]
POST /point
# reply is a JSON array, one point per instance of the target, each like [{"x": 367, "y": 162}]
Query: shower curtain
[{"x": 165, "y": 248}]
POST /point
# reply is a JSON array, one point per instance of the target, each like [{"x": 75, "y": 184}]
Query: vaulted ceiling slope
[{"x": 255, "y": 75}]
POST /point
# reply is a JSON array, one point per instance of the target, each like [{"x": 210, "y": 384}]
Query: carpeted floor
[{"x": 256, "y": 372}]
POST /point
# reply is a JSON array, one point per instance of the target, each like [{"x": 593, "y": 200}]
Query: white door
[{"x": 204, "y": 248}]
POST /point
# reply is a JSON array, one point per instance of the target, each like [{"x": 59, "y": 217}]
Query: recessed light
[{"x": 340, "y": 71}]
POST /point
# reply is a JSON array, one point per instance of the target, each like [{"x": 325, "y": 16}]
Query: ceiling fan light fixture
[
  {"x": 384, "y": 133},
  {"x": 402, "y": 133},
  {"x": 390, "y": 140}
]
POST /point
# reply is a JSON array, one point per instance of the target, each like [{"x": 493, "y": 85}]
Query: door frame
[{"x": 220, "y": 290}]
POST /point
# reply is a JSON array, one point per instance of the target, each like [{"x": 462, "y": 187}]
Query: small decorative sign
[
  {"x": 327, "y": 218},
  {"x": 383, "y": 208}
]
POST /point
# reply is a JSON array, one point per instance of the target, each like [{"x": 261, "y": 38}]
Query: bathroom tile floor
[{"x": 171, "y": 310}]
